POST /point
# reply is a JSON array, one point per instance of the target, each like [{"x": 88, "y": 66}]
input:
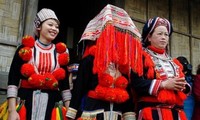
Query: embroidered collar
[
  {"x": 158, "y": 53},
  {"x": 44, "y": 43},
  {"x": 43, "y": 46}
]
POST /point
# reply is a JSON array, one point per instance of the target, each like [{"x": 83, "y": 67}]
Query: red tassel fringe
[{"x": 120, "y": 47}]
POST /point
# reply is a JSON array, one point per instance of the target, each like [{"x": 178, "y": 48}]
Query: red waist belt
[
  {"x": 149, "y": 99},
  {"x": 26, "y": 84}
]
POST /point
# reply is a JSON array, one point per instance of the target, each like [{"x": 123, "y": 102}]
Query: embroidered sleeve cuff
[
  {"x": 12, "y": 91},
  {"x": 71, "y": 113},
  {"x": 153, "y": 90},
  {"x": 129, "y": 116},
  {"x": 66, "y": 95}
]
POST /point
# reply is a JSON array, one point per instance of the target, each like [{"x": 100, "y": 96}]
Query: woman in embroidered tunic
[
  {"x": 38, "y": 73},
  {"x": 102, "y": 80},
  {"x": 162, "y": 88}
]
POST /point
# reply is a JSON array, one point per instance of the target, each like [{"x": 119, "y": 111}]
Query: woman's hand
[
  {"x": 66, "y": 103},
  {"x": 13, "y": 115},
  {"x": 177, "y": 84}
]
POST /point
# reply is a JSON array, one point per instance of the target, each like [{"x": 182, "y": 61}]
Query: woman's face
[
  {"x": 159, "y": 38},
  {"x": 48, "y": 30}
]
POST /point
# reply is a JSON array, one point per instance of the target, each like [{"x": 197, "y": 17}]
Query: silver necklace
[{"x": 167, "y": 58}]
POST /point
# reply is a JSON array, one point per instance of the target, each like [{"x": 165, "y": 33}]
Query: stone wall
[
  {"x": 185, "y": 40},
  {"x": 10, "y": 11}
]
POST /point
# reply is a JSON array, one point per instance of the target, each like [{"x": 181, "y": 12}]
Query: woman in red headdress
[
  {"x": 102, "y": 82},
  {"x": 162, "y": 88}
]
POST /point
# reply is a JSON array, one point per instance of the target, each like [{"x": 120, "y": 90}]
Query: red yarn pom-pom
[
  {"x": 63, "y": 59},
  {"x": 100, "y": 91},
  {"x": 105, "y": 79},
  {"x": 36, "y": 80},
  {"x": 59, "y": 74},
  {"x": 50, "y": 81},
  {"x": 121, "y": 82},
  {"x": 110, "y": 95},
  {"x": 27, "y": 70},
  {"x": 61, "y": 47},
  {"x": 25, "y": 53},
  {"x": 122, "y": 95},
  {"x": 28, "y": 41}
]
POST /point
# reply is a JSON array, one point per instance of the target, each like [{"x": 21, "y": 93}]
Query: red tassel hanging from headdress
[
  {"x": 148, "y": 63},
  {"x": 120, "y": 47}
]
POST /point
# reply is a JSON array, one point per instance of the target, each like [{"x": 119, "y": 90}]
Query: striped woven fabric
[{"x": 109, "y": 14}]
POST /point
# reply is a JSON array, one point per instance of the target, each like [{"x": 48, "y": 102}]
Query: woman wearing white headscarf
[{"x": 38, "y": 73}]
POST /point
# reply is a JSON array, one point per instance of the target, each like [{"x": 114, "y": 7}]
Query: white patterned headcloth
[
  {"x": 110, "y": 13},
  {"x": 43, "y": 15}
]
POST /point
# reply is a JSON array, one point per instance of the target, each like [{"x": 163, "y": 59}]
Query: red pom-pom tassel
[
  {"x": 121, "y": 82},
  {"x": 50, "y": 81},
  {"x": 28, "y": 41},
  {"x": 36, "y": 80},
  {"x": 105, "y": 80},
  {"x": 63, "y": 59},
  {"x": 61, "y": 47},
  {"x": 25, "y": 53},
  {"x": 122, "y": 95},
  {"x": 59, "y": 74},
  {"x": 110, "y": 95},
  {"x": 27, "y": 70},
  {"x": 100, "y": 91}
]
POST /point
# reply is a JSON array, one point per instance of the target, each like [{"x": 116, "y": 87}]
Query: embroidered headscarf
[
  {"x": 117, "y": 40},
  {"x": 151, "y": 24},
  {"x": 42, "y": 15}
]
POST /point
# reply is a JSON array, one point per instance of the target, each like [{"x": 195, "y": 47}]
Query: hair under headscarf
[
  {"x": 42, "y": 15},
  {"x": 151, "y": 24}
]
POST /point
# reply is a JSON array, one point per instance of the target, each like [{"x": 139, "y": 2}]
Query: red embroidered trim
[{"x": 49, "y": 47}]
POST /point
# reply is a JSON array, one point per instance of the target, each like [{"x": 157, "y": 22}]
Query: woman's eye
[
  {"x": 50, "y": 24},
  {"x": 159, "y": 33}
]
